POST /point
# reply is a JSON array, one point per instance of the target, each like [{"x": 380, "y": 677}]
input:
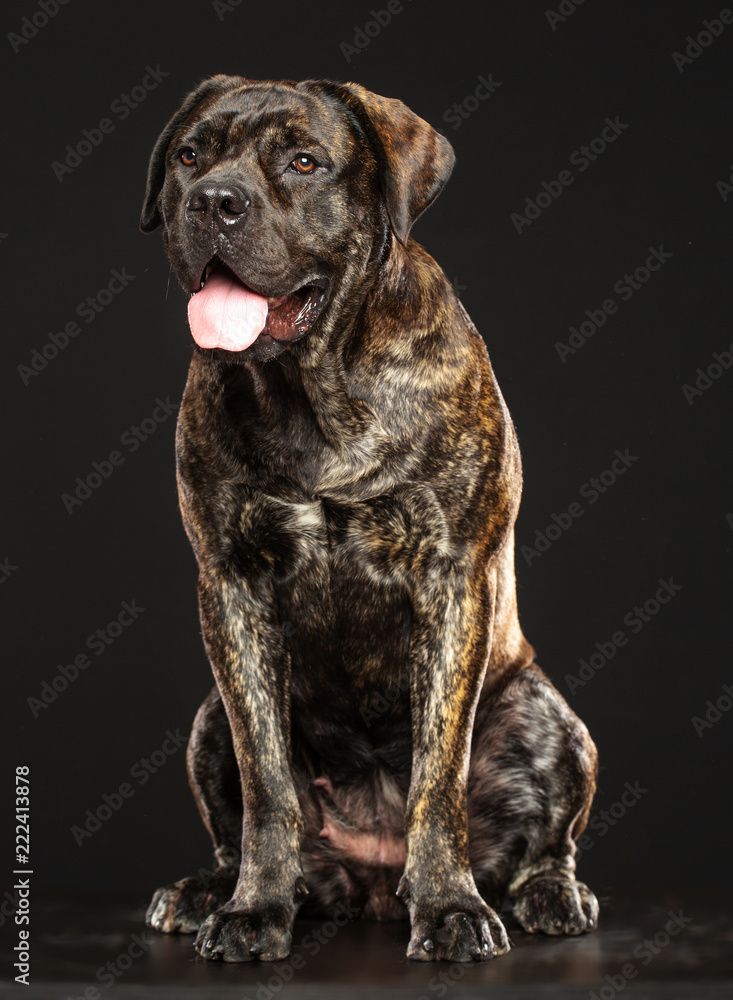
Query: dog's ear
[
  {"x": 213, "y": 87},
  {"x": 415, "y": 161}
]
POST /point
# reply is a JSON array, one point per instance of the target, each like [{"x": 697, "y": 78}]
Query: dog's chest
[{"x": 339, "y": 576}]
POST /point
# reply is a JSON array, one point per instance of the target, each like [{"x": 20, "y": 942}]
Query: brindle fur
[{"x": 379, "y": 732}]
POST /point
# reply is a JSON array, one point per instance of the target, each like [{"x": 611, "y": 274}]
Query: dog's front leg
[
  {"x": 448, "y": 658},
  {"x": 251, "y": 665}
]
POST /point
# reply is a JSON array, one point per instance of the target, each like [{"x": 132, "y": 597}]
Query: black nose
[{"x": 223, "y": 204}]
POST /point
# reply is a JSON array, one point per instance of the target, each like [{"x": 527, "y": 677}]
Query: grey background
[{"x": 664, "y": 518}]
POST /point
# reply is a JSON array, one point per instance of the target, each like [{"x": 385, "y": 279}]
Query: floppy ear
[
  {"x": 213, "y": 87},
  {"x": 415, "y": 161}
]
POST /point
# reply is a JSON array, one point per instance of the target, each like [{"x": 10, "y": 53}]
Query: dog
[{"x": 379, "y": 735}]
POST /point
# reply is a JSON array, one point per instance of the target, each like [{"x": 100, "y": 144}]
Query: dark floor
[{"x": 86, "y": 946}]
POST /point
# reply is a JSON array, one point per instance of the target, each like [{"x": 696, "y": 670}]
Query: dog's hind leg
[
  {"x": 530, "y": 788},
  {"x": 214, "y": 778}
]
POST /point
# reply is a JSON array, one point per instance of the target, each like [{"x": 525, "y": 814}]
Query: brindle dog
[{"x": 379, "y": 733}]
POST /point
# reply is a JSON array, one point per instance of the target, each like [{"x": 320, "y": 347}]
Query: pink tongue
[{"x": 226, "y": 314}]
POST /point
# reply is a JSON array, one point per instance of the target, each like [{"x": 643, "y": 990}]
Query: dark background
[{"x": 664, "y": 518}]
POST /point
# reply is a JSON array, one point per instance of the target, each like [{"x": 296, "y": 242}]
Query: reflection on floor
[{"x": 650, "y": 944}]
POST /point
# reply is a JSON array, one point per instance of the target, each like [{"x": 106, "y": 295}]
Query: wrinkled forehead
[{"x": 272, "y": 116}]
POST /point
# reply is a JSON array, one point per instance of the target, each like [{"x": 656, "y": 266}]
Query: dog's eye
[
  {"x": 188, "y": 157},
  {"x": 303, "y": 164}
]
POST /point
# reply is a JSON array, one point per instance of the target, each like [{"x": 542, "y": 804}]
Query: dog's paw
[
  {"x": 464, "y": 931},
  {"x": 182, "y": 907},
  {"x": 553, "y": 904},
  {"x": 231, "y": 935}
]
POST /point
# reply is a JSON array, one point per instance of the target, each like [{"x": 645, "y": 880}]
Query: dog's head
[{"x": 277, "y": 199}]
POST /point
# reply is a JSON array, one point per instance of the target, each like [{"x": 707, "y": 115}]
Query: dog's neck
[{"x": 344, "y": 399}]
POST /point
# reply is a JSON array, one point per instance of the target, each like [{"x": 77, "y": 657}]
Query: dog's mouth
[{"x": 226, "y": 313}]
